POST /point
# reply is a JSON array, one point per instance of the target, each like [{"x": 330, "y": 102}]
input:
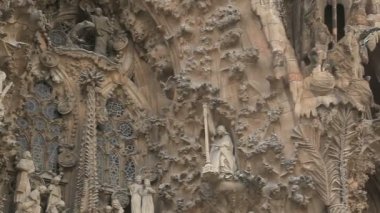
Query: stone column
[{"x": 208, "y": 167}]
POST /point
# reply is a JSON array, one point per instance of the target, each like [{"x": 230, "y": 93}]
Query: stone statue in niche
[
  {"x": 3, "y": 92},
  {"x": 24, "y": 167},
  {"x": 32, "y": 203},
  {"x": 104, "y": 29},
  {"x": 55, "y": 202},
  {"x": 222, "y": 152},
  {"x": 147, "y": 197},
  {"x": 135, "y": 190},
  {"x": 221, "y": 157}
]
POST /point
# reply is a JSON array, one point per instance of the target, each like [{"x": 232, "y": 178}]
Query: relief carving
[
  {"x": 55, "y": 203},
  {"x": 32, "y": 203},
  {"x": 189, "y": 106},
  {"x": 25, "y": 167}
]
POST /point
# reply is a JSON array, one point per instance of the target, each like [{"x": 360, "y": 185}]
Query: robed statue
[
  {"x": 32, "y": 203},
  {"x": 24, "y": 167},
  {"x": 220, "y": 159},
  {"x": 135, "y": 190},
  {"x": 55, "y": 201},
  {"x": 222, "y": 152},
  {"x": 147, "y": 205}
]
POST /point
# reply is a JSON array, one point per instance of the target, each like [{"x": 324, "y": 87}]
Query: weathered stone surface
[{"x": 192, "y": 106}]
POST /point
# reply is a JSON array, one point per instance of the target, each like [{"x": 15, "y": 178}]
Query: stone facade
[{"x": 198, "y": 106}]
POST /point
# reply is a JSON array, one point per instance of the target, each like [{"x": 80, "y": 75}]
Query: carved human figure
[
  {"x": 3, "y": 92},
  {"x": 25, "y": 167},
  {"x": 55, "y": 197},
  {"x": 147, "y": 199},
  {"x": 272, "y": 24},
  {"x": 284, "y": 58},
  {"x": 32, "y": 203},
  {"x": 135, "y": 189},
  {"x": 321, "y": 37},
  {"x": 104, "y": 29},
  {"x": 375, "y": 6},
  {"x": 58, "y": 208},
  {"x": 221, "y": 154},
  {"x": 116, "y": 206}
]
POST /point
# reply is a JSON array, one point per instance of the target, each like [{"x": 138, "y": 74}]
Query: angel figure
[{"x": 221, "y": 157}]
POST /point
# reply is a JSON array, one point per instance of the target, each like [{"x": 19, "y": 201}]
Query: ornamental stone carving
[
  {"x": 189, "y": 106},
  {"x": 23, "y": 187},
  {"x": 136, "y": 199}
]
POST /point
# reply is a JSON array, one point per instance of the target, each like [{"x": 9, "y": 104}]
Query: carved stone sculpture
[
  {"x": 104, "y": 29},
  {"x": 222, "y": 152},
  {"x": 284, "y": 57},
  {"x": 55, "y": 201},
  {"x": 146, "y": 192},
  {"x": 116, "y": 206},
  {"x": 91, "y": 80},
  {"x": 23, "y": 188},
  {"x": 136, "y": 198},
  {"x": 32, "y": 203},
  {"x": 110, "y": 91}
]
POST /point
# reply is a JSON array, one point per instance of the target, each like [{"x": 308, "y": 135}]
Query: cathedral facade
[{"x": 189, "y": 106}]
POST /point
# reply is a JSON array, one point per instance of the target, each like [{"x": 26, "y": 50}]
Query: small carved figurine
[
  {"x": 135, "y": 188},
  {"x": 147, "y": 199},
  {"x": 55, "y": 201},
  {"x": 104, "y": 29},
  {"x": 25, "y": 167},
  {"x": 221, "y": 154},
  {"x": 32, "y": 203},
  {"x": 116, "y": 206}
]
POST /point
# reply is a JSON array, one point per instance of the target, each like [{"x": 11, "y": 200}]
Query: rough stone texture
[{"x": 199, "y": 106}]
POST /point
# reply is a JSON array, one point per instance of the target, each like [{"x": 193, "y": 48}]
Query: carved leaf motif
[
  {"x": 340, "y": 149},
  {"x": 318, "y": 165},
  {"x": 327, "y": 160}
]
